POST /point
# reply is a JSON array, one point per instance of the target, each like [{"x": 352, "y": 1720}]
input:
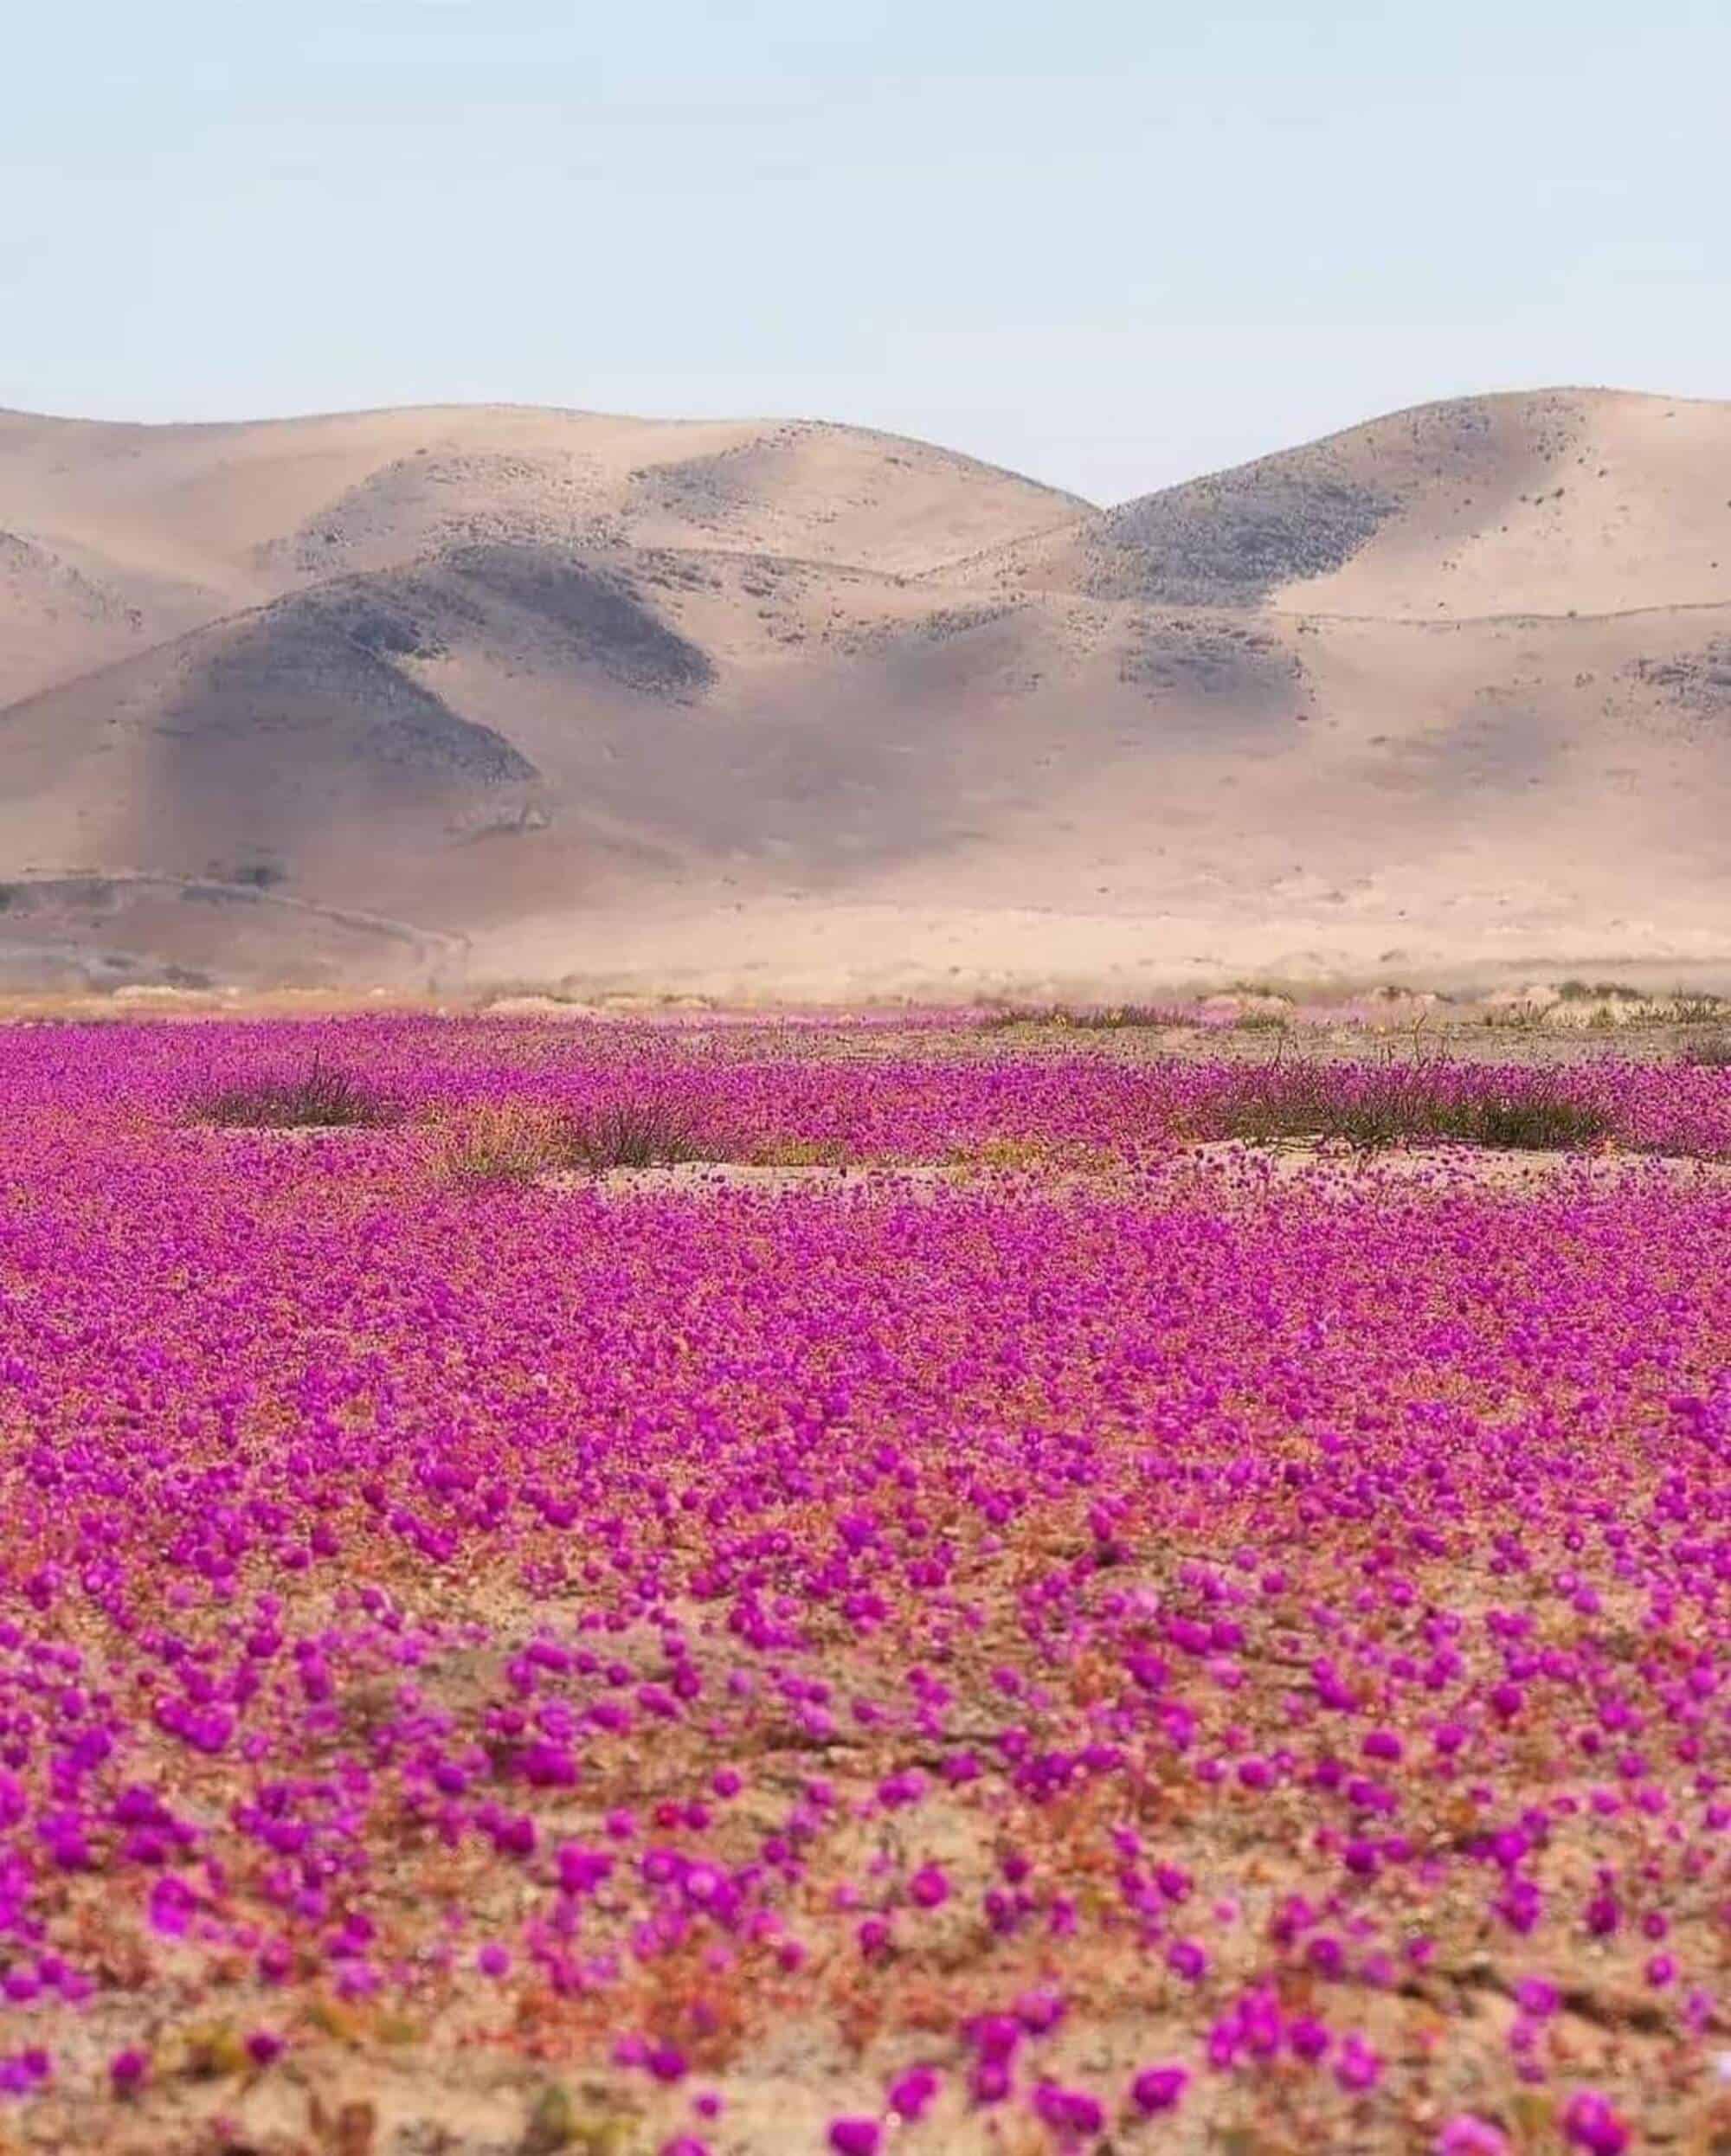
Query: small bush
[
  {"x": 1274, "y": 1101},
  {"x": 1712, "y": 1054},
  {"x": 1124, "y": 1017},
  {"x": 1019, "y": 1155},
  {"x": 1599, "y": 991},
  {"x": 1105, "y": 1019},
  {"x": 499, "y": 1142},
  {"x": 801, "y": 1153},
  {"x": 1000, "y": 1156},
  {"x": 1538, "y": 1118},
  {"x": 637, "y": 1134},
  {"x": 1019, "y": 1014},
  {"x": 516, "y": 1141},
  {"x": 1699, "y": 1010},
  {"x": 321, "y": 1098},
  {"x": 1426, "y": 1101},
  {"x": 1394, "y": 1105}
]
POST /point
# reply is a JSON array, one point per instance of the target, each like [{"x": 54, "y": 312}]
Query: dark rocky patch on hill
[
  {"x": 297, "y": 672},
  {"x": 1699, "y": 681},
  {"x": 1231, "y": 539},
  {"x": 594, "y": 613}
]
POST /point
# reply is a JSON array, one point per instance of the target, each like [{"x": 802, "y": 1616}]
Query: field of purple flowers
[{"x": 1106, "y": 1649}]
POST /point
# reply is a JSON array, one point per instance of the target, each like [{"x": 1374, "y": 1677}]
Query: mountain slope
[
  {"x": 760, "y": 706},
  {"x": 1553, "y": 502}
]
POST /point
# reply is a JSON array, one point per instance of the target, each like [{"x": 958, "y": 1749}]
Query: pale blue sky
[{"x": 1110, "y": 243}]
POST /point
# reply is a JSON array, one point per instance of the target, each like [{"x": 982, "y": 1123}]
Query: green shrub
[
  {"x": 1425, "y": 1102},
  {"x": 1541, "y": 1118},
  {"x": 636, "y": 1134},
  {"x": 321, "y": 1097}
]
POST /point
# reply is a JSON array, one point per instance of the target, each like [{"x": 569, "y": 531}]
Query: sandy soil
[{"x": 1229, "y": 1163}]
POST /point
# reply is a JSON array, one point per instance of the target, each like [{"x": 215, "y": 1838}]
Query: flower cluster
[{"x": 1168, "y": 1646}]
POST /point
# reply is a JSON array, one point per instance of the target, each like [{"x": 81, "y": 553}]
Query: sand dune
[{"x": 764, "y": 707}]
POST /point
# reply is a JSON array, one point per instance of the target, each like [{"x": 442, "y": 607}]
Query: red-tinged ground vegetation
[{"x": 1010, "y": 1626}]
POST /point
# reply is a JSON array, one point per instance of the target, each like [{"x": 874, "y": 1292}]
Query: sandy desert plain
[{"x": 588, "y": 1564}]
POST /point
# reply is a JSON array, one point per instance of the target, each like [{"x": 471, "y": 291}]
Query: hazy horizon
[{"x": 1106, "y": 252}]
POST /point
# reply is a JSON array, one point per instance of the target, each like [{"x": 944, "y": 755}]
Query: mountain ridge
[{"x": 752, "y": 680}]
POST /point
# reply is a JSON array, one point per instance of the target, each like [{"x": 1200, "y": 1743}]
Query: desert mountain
[{"x": 493, "y": 693}]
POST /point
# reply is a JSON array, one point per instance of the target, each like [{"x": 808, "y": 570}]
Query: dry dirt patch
[{"x": 696, "y": 1178}]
